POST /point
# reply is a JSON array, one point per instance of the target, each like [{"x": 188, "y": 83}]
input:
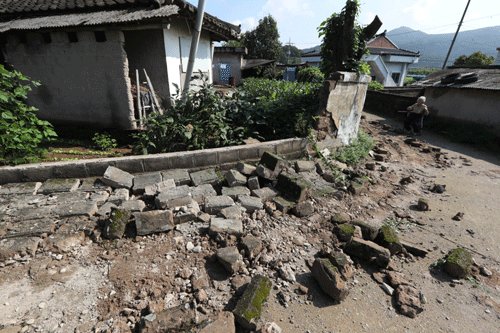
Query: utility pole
[
  {"x": 456, "y": 34},
  {"x": 194, "y": 46}
]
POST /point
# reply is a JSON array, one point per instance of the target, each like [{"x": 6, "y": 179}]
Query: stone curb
[{"x": 290, "y": 148}]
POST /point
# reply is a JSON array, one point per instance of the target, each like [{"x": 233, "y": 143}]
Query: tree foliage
[
  {"x": 263, "y": 42},
  {"x": 474, "y": 60},
  {"x": 21, "y": 131},
  {"x": 344, "y": 40},
  {"x": 290, "y": 55},
  {"x": 310, "y": 74}
]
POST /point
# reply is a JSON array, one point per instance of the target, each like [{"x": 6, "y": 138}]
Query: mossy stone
[
  {"x": 345, "y": 232},
  {"x": 117, "y": 223},
  {"x": 249, "y": 307},
  {"x": 423, "y": 205},
  {"x": 388, "y": 238},
  {"x": 458, "y": 263},
  {"x": 340, "y": 218}
]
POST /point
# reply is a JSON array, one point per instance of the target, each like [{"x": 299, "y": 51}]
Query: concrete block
[
  {"x": 187, "y": 213},
  {"x": 105, "y": 210},
  {"x": 153, "y": 190},
  {"x": 265, "y": 193},
  {"x": 273, "y": 162},
  {"x": 119, "y": 196},
  {"x": 205, "y": 158},
  {"x": 82, "y": 208},
  {"x": 249, "y": 307},
  {"x": 183, "y": 160},
  {"x": 199, "y": 193},
  {"x": 142, "y": 181},
  {"x": 133, "y": 205},
  {"x": 253, "y": 183},
  {"x": 174, "y": 197},
  {"x": 114, "y": 228},
  {"x": 180, "y": 176},
  {"x": 368, "y": 250},
  {"x": 232, "y": 213},
  {"x": 305, "y": 166},
  {"x": 283, "y": 205},
  {"x": 225, "y": 226},
  {"x": 20, "y": 188},
  {"x": 154, "y": 222},
  {"x": 59, "y": 185},
  {"x": 251, "y": 204},
  {"x": 246, "y": 169},
  {"x": 234, "y": 178},
  {"x": 252, "y": 245},
  {"x": 266, "y": 173},
  {"x": 117, "y": 178},
  {"x": 213, "y": 205},
  {"x": 230, "y": 258},
  {"x": 234, "y": 192},
  {"x": 94, "y": 184},
  {"x": 292, "y": 187},
  {"x": 208, "y": 176}
]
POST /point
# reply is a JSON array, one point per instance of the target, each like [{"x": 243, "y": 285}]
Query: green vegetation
[
  {"x": 345, "y": 232},
  {"x": 375, "y": 85},
  {"x": 344, "y": 40},
  {"x": 458, "y": 263},
  {"x": 104, "y": 141},
  {"x": 409, "y": 81},
  {"x": 83, "y": 152},
  {"x": 310, "y": 74},
  {"x": 21, "y": 131},
  {"x": 476, "y": 59},
  {"x": 356, "y": 151},
  {"x": 422, "y": 71}
]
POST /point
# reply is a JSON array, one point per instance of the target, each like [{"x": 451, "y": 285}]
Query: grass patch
[
  {"x": 356, "y": 151},
  {"x": 84, "y": 152}
]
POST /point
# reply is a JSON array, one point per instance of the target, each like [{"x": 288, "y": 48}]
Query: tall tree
[
  {"x": 473, "y": 60},
  {"x": 263, "y": 42},
  {"x": 290, "y": 55}
]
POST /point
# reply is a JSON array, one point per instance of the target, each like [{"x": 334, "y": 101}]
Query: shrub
[
  {"x": 202, "y": 120},
  {"x": 356, "y": 151},
  {"x": 21, "y": 131},
  {"x": 375, "y": 85},
  {"x": 279, "y": 109},
  {"x": 104, "y": 141},
  {"x": 409, "y": 81},
  {"x": 310, "y": 74}
]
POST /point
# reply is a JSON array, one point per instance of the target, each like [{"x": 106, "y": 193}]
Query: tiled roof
[
  {"x": 487, "y": 78},
  {"x": 19, "y": 6},
  {"x": 387, "y": 51}
]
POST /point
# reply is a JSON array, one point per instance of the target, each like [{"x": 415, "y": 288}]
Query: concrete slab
[{"x": 59, "y": 185}]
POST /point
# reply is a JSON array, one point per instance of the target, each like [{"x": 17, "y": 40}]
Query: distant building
[
  {"x": 389, "y": 64},
  {"x": 497, "y": 62},
  {"x": 227, "y": 64}
]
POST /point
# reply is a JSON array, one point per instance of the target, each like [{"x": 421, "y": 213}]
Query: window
[
  {"x": 100, "y": 36},
  {"x": 396, "y": 76},
  {"x": 72, "y": 37},
  {"x": 47, "y": 38}
]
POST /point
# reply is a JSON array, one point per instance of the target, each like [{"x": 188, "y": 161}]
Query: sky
[{"x": 298, "y": 19}]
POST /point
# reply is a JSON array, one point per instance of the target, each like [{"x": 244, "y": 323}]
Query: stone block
[
  {"x": 266, "y": 173},
  {"x": 154, "y": 222},
  {"x": 272, "y": 162},
  {"x": 115, "y": 226},
  {"x": 304, "y": 209},
  {"x": 141, "y": 181},
  {"x": 408, "y": 302},
  {"x": 249, "y": 307},
  {"x": 252, "y": 246},
  {"x": 213, "y": 205},
  {"x": 234, "y": 178},
  {"x": 187, "y": 213},
  {"x": 119, "y": 196},
  {"x": 11, "y": 246},
  {"x": 253, "y": 183},
  {"x": 100, "y": 197},
  {"x": 329, "y": 279},
  {"x": 292, "y": 187},
  {"x": 369, "y": 229},
  {"x": 59, "y": 185},
  {"x": 94, "y": 184},
  {"x": 105, "y": 210},
  {"x": 180, "y": 176},
  {"x": 458, "y": 263},
  {"x": 153, "y": 190},
  {"x": 81, "y": 208},
  {"x": 230, "y": 258},
  {"x": 117, "y": 178},
  {"x": 225, "y": 226},
  {"x": 62, "y": 197},
  {"x": 251, "y": 204},
  {"x": 223, "y": 323},
  {"x": 283, "y": 205},
  {"x": 133, "y": 205},
  {"x": 305, "y": 166},
  {"x": 174, "y": 197},
  {"x": 199, "y": 193},
  {"x": 208, "y": 176},
  {"x": 20, "y": 188},
  {"x": 367, "y": 250},
  {"x": 232, "y": 213},
  {"x": 388, "y": 238},
  {"x": 265, "y": 193},
  {"x": 246, "y": 169},
  {"x": 234, "y": 192}
]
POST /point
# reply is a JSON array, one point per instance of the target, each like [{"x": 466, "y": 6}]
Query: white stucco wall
[{"x": 177, "y": 39}]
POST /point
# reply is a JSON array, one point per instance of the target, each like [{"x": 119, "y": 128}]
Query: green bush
[
  {"x": 409, "y": 81},
  {"x": 310, "y": 74},
  {"x": 21, "y": 131},
  {"x": 278, "y": 109},
  {"x": 356, "y": 151},
  {"x": 375, "y": 85},
  {"x": 104, "y": 141},
  {"x": 202, "y": 120}
]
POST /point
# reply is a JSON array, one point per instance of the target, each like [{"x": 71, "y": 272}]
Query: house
[
  {"x": 465, "y": 94},
  {"x": 228, "y": 62},
  {"x": 389, "y": 64},
  {"x": 85, "y": 53}
]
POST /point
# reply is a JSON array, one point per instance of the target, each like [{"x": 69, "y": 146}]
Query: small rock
[
  {"x": 458, "y": 263},
  {"x": 230, "y": 258},
  {"x": 423, "y": 205},
  {"x": 485, "y": 271},
  {"x": 249, "y": 307},
  {"x": 387, "y": 288},
  {"x": 408, "y": 301},
  {"x": 458, "y": 217},
  {"x": 329, "y": 279},
  {"x": 438, "y": 188},
  {"x": 271, "y": 328}
]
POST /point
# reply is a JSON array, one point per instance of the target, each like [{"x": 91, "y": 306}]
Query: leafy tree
[
  {"x": 21, "y": 131},
  {"x": 233, "y": 43},
  {"x": 310, "y": 74},
  {"x": 263, "y": 42},
  {"x": 344, "y": 40},
  {"x": 474, "y": 60},
  {"x": 290, "y": 55}
]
